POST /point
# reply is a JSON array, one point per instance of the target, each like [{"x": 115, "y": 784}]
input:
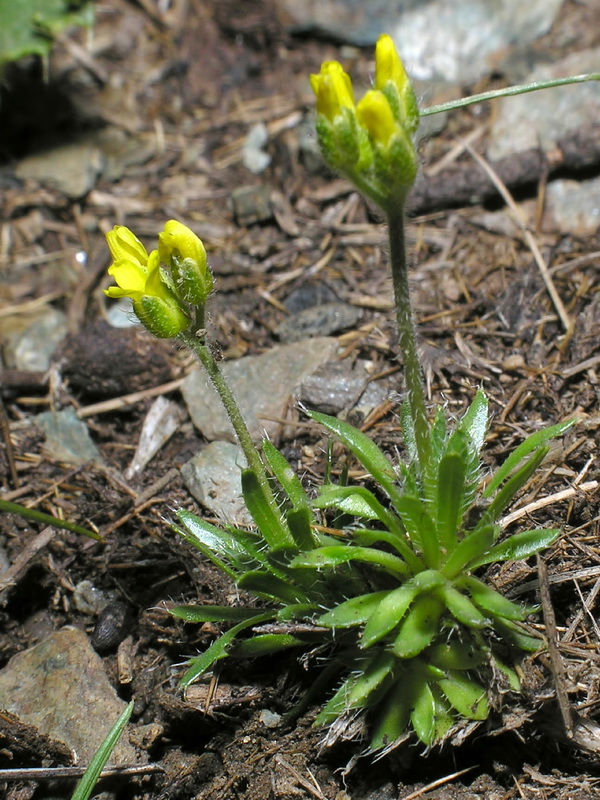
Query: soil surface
[{"x": 181, "y": 89}]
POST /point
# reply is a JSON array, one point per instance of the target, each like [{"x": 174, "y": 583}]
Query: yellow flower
[
  {"x": 374, "y": 113},
  {"x": 388, "y": 66},
  {"x": 183, "y": 252},
  {"x": 333, "y": 90},
  {"x": 138, "y": 276}
]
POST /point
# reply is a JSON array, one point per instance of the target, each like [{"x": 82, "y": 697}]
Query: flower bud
[
  {"x": 183, "y": 252},
  {"x": 392, "y": 80}
]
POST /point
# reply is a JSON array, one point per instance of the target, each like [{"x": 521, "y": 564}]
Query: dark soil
[{"x": 188, "y": 85}]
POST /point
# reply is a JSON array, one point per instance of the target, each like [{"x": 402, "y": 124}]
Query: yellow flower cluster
[
  {"x": 370, "y": 141},
  {"x": 163, "y": 297}
]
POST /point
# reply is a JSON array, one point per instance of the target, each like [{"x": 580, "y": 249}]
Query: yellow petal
[
  {"x": 129, "y": 276},
  {"x": 178, "y": 239},
  {"x": 374, "y": 113},
  {"x": 123, "y": 244},
  {"x": 388, "y": 66},
  {"x": 333, "y": 89}
]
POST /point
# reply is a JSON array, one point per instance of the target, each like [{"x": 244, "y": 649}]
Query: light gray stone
[
  {"x": 540, "y": 120},
  {"x": 262, "y": 385},
  {"x": 213, "y": 477},
  {"x": 67, "y": 437},
  {"x": 319, "y": 320},
  {"x": 34, "y": 347},
  {"x": 71, "y": 168},
  {"x": 60, "y": 686}
]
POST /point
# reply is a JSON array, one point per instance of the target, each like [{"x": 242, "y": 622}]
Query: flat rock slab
[
  {"x": 263, "y": 386},
  {"x": 61, "y": 688},
  {"x": 67, "y": 437}
]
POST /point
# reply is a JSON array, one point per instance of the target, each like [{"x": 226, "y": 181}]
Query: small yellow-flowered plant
[
  {"x": 370, "y": 142},
  {"x": 161, "y": 297}
]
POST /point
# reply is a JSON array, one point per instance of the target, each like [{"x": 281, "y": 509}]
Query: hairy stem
[
  {"x": 255, "y": 463},
  {"x": 407, "y": 337}
]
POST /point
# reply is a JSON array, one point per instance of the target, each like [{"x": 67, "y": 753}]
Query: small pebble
[
  {"x": 112, "y": 627},
  {"x": 270, "y": 719}
]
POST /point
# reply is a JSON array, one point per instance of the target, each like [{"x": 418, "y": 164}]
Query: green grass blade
[
  {"x": 47, "y": 519},
  {"x": 530, "y": 444},
  {"x": 510, "y": 91},
  {"x": 88, "y": 781},
  {"x": 298, "y": 521}
]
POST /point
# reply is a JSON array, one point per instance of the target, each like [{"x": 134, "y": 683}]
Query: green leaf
[
  {"x": 455, "y": 655},
  {"x": 27, "y": 27},
  {"x": 47, "y": 519},
  {"x": 268, "y": 585},
  {"x": 88, "y": 780},
  {"x": 530, "y": 444},
  {"x": 423, "y": 713},
  {"x": 264, "y": 644},
  {"x": 509, "y": 673},
  {"x": 475, "y": 420},
  {"x": 336, "y": 555},
  {"x": 461, "y": 607},
  {"x": 519, "y": 546},
  {"x": 294, "y": 611},
  {"x": 515, "y": 634},
  {"x": 269, "y": 523},
  {"x": 475, "y": 545},
  {"x": 336, "y": 705},
  {"x": 212, "y": 613},
  {"x": 408, "y": 432},
  {"x": 364, "y": 449},
  {"x": 391, "y": 722},
  {"x": 290, "y": 482},
  {"x": 511, "y": 487},
  {"x": 419, "y": 627},
  {"x": 218, "y": 649},
  {"x": 492, "y": 601},
  {"x": 465, "y": 695},
  {"x": 420, "y": 527},
  {"x": 298, "y": 520},
  {"x": 438, "y": 435},
  {"x": 369, "y": 685},
  {"x": 451, "y": 491},
  {"x": 218, "y": 544},
  {"x": 394, "y": 606},
  {"x": 355, "y": 611}
]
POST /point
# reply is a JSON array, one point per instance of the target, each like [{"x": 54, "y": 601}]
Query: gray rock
[
  {"x": 572, "y": 207},
  {"x": 213, "y": 477},
  {"x": 438, "y": 39},
  {"x": 318, "y": 321},
  {"x": 60, "y": 686},
  {"x": 34, "y": 347},
  {"x": 71, "y": 168},
  {"x": 263, "y": 386},
  {"x": 334, "y": 387},
  {"x": 251, "y": 204},
  {"x": 253, "y": 156},
  {"x": 67, "y": 437},
  {"x": 542, "y": 119}
]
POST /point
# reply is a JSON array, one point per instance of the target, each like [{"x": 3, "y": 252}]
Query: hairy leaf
[
  {"x": 419, "y": 627},
  {"x": 519, "y": 546},
  {"x": 355, "y": 611}
]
